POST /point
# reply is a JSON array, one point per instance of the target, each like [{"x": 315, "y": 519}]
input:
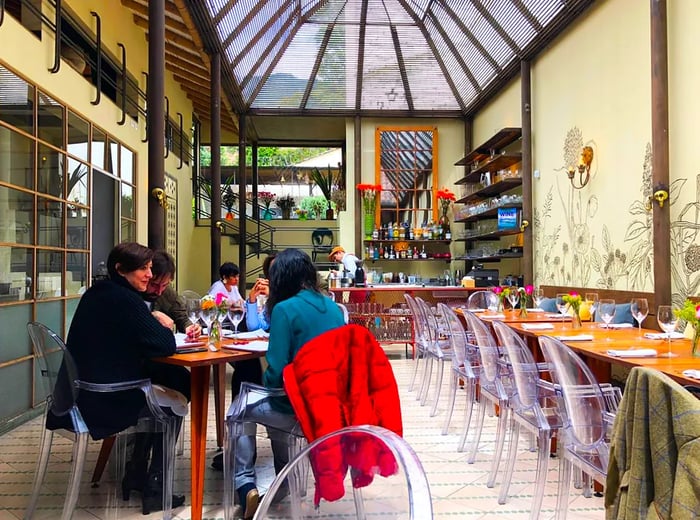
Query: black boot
[
  {"x": 152, "y": 498},
  {"x": 135, "y": 473}
]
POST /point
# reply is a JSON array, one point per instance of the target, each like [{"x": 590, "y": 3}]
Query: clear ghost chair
[
  {"x": 534, "y": 406},
  {"x": 482, "y": 300},
  {"x": 62, "y": 384},
  {"x": 465, "y": 366},
  {"x": 495, "y": 387},
  {"x": 439, "y": 350},
  {"x": 587, "y": 420},
  {"x": 420, "y": 339},
  {"x": 384, "y": 478}
]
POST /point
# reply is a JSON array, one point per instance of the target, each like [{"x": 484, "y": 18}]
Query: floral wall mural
[{"x": 685, "y": 244}]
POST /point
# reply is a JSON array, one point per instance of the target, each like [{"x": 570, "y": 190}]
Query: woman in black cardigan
[{"x": 113, "y": 337}]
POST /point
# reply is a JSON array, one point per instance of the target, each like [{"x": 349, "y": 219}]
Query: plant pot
[
  {"x": 286, "y": 214},
  {"x": 329, "y": 214},
  {"x": 576, "y": 320},
  {"x": 369, "y": 225},
  {"x": 267, "y": 215}
]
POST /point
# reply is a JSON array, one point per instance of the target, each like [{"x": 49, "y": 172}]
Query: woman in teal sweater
[{"x": 298, "y": 313}]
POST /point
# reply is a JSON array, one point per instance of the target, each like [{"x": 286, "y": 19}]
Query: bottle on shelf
[{"x": 375, "y": 234}]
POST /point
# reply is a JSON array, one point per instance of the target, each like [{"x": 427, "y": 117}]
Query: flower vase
[
  {"x": 523, "y": 309},
  {"x": 267, "y": 214},
  {"x": 695, "y": 341},
  {"x": 286, "y": 214},
  {"x": 214, "y": 341},
  {"x": 576, "y": 320},
  {"x": 369, "y": 225}
]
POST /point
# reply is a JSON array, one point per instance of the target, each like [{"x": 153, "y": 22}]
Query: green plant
[
  {"x": 324, "y": 182},
  {"x": 310, "y": 204},
  {"x": 285, "y": 203}
]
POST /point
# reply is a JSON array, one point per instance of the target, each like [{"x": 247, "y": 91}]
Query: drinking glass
[
  {"x": 193, "y": 309},
  {"x": 235, "y": 314},
  {"x": 492, "y": 302},
  {"x": 208, "y": 316},
  {"x": 562, "y": 306},
  {"x": 640, "y": 309},
  {"x": 607, "y": 312},
  {"x": 513, "y": 298},
  {"x": 592, "y": 299},
  {"x": 667, "y": 321},
  {"x": 537, "y": 296}
]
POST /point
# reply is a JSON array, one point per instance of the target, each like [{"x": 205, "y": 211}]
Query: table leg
[
  {"x": 220, "y": 402},
  {"x": 199, "y": 378}
]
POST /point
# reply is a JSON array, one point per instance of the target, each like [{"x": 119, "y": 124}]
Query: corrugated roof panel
[
  {"x": 336, "y": 80},
  {"x": 252, "y": 32},
  {"x": 429, "y": 89},
  {"x": 382, "y": 88},
  {"x": 544, "y": 11},
  {"x": 485, "y": 34},
  {"x": 308, "y": 5},
  {"x": 418, "y": 6},
  {"x": 512, "y": 21}
]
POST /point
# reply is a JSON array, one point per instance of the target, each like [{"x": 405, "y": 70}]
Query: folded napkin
[
  {"x": 476, "y": 310},
  {"x": 556, "y": 315},
  {"x": 577, "y": 337},
  {"x": 695, "y": 374},
  {"x": 633, "y": 352},
  {"x": 250, "y": 346},
  {"x": 536, "y": 309},
  {"x": 663, "y": 335},
  {"x": 537, "y": 326},
  {"x": 616, "y": 326},
  {"x": 493, "y": 316},
  {"x": 254, "y": 334}
]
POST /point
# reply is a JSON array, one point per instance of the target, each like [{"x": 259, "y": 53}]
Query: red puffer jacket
[{"x": 343, "y": 378}]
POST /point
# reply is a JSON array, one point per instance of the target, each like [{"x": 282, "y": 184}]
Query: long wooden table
[{"x": 199, "y": 364}]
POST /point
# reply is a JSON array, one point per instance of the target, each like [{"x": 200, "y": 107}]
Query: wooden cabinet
[{"x": 491, "y": 198}]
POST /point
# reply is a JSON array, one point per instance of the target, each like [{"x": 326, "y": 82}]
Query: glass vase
[
  {"x": 523, "y": 309},
  {"x": 369, "y": 225},
  {"x": 576, "y": 320},
  {"x": 214, "y": 341},
  {"x": 695, "y": 341}
]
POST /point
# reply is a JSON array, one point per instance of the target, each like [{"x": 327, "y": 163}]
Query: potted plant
[
  {"x": 325, "y": 183},
  {"x": 286, "y": 204}
]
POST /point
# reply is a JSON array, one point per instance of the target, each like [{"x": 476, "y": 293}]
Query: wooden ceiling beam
[
  {"x": 195, "y": 66},
  {"x": 141, "y": 6},
  {"x": 193, "y": 82},
  {"x": 180, "y": 71},
  {"x": 170, "y": 23}
]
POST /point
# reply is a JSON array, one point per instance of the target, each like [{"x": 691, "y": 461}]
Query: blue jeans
[{"x": 277, "y": 424}]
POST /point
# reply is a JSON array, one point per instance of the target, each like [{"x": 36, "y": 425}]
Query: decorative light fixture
[{"x": 583, "y": 169}]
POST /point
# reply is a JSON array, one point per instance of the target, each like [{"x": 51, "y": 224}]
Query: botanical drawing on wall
[
  {"x": 568, "y": 253},
  {"x": 685, "y": 245}
]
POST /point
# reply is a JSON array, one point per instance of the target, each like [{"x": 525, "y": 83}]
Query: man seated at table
[{"x": 165, "y": 304}]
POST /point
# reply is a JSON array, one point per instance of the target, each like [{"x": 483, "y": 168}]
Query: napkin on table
[
  {"x": 577, "y": 337},
  {"x": 616, "y": 326},
  {"x": 251, "y": 346},
  {"x": 537, "y": 326},
  {"x": 663, "y": 335},
  {"x": 694, "y": 373},
  {"x": 556, "y": 315},
  {"x": 633, "y": 352},
  {"x": 493, "y": 317}
]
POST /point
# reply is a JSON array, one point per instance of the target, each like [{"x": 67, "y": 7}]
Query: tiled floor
[{"x": 458, "y": 489}]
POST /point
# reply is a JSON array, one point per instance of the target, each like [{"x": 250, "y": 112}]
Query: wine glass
[
  {"x": 513, "y": 297},
  {"x": 235, "y": 314},
  {"x": 491, "y": 301},
  {"x": 592, "y": 299},
  {"x": 208, "y": 316},
  {"x": 640, "y": 309},
  {"x": 193, "y": 310},
  {"x": 607, "y": 311},
  {"x": 667, "y": 321},
  {"x": 562, "y": 306},
  {"x": 537, "y": 296}
]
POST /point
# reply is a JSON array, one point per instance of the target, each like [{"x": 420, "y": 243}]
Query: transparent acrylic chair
[
  {"x": 534, "y": 406},
  {"x": 465, "y": 366},
  {"x": 384, "y": 479},
  {"x": 586, "y": 417},
  {"x": 62, "y": 384},
  {"x": 482, "y": 300},
  {"x": 495, "y": 389},
  {"x": 439, "y": 350},
  {"x": 420, "y": 338},
  {"x": 239, "y": 422}
]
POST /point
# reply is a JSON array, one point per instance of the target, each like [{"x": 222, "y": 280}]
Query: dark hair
[
  {"x": 163, "y": 263},
  {"x": 130, "y": 256},
  {"x": 291, "y": 272},
  {"x": 266, "y": 265},
  {"x": 228, "y": 269}
]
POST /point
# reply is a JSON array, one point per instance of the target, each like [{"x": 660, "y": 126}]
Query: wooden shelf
[
  {"x": 500, "y": 139},
  {"x": 490, "y": 213},
  {"x": 492, "y": 258},
  {"x": 493, "y": 189},
  {"x": 494, "y": 235},
  {"x": 416, "y": 241},
  {"x": 408, "y": 260},
  {"x": 498, "y": 162}
]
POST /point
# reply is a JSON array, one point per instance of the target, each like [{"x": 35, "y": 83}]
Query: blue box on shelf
[{"x": 507, "y": 218}]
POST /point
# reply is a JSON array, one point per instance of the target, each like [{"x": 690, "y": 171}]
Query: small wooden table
[{"x": 199, "y": 364}]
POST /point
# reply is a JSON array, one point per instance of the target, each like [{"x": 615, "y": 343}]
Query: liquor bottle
[
  {"x": 386, "y": 252},
  {"x": 375, "y": 234},
  {"x": 396, "y": 231},
  {"x": 423, "y": 254},
  {"x": 376, "y": 252}
]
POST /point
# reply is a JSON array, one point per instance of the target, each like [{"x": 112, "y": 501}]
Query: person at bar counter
[
  {"x": 298, "y": 313},
  {"x": 349, "y": 261},
  {"x": 112, "y": 338},
  {"x": 165, "y": 304}
]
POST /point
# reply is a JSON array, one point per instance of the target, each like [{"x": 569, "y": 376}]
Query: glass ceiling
[{"x": 404, "y": 56}]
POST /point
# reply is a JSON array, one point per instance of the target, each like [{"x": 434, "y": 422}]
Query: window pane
[
  {"x": 127, "y": 201},
  {"x": 78, "y": 132},
  {"x": 49, "y": 269},
  {"x": 50, "y": 215},
  {"x": 98, "y": 148},
  {"x": 50, "y": 171},
  {"x": 77, "y": 228},
  {"x": 50, "y": 120},
  {"x": 128, "y": 231},
  {"x": 127, "y": 168},
  {"x": 20, "y": 205},
  {"x": 16, "y": 268},
  {"x": 76, "y": 273},
  {"x": 77, "y": 182},
  {"x": 18, "y": 166},
  {"x": 16, "y": 101},
  {"x": 112, "y": 165}
]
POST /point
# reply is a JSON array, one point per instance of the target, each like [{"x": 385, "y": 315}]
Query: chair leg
[
  {"x": 501, "y": 428},
  {"x": 416, "y": 360},
  {"x": 563, "y": 488},
  {"x": 541, "y": 474},
  {"x": 42, "y": 463},
  {"x": 102, "y": 458},
  {"x": 479, "y": 427},
  {"x": 438, "y": 386},
  {"x": 79, "y": 452},
  {"x": 470, "y": 387},
  {"x": 510, "y": 464},
  {"x": 450, "y": 403}
]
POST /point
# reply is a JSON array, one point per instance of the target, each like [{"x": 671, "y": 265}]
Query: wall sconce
[
  {"x": 583, "y": 169},
  {"x": 159, "y": 195},
  {"x": 660, "y": 196}
]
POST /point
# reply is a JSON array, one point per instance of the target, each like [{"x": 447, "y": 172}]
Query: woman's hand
[
  {"x": 193, "y": 331},
  {"x": 165, "y": 320},
  {"x": 261, "y": 286}
]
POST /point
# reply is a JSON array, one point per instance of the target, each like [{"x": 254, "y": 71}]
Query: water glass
[
  {"x": 562, "y": 306},
  {"x": 193, "y": 307},
  {"x": 513, "y": 297},
  {"x": 607, "y": 311},
  {"x": 592, "y": 299},
  {"x": 667, "y": 321},
  {"x": 235, "y": 315},
  {"x": 640, "y": 309},
  {"x": 537, "y": 296}
]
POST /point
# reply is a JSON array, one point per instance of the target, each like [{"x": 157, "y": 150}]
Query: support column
[
  {"x": 526, "y": 169},
  {"x": 155, "y": 123},
  {"x": 215, "y": 132},
  {"x": 242, "y": 185},
  {"x": 359, "y": 214},
  {"x": 659, "y": 145}
]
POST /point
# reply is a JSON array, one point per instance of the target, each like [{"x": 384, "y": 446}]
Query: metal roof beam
[
  {"x": 527, "y": 14},
  {"x": 317, "y": 65},
  {"x": 243, "y": 23},
  {"x": 496, "y": 26},
  {"x": 251, "y": 44},
  {"x": 402, "y": 66},
  {"x": 473, "y": 39},
  {"x": 360, "y": 56}
]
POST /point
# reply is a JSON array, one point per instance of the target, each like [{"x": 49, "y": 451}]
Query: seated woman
[
  {"x": 228, "y": 284},
  {"x": 256, "y": 316},
  {"x": 298, "y": 313},
  {"x": 113, "y": 337}
]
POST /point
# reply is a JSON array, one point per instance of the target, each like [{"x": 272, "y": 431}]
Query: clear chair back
[
  {"x": 482, "y": 300},
  {"x": 383, "y": 478},
  {"x": 488, "y": 348}
]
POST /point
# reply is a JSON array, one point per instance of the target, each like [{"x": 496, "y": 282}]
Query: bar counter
[{"x": 391, "y": 293}]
